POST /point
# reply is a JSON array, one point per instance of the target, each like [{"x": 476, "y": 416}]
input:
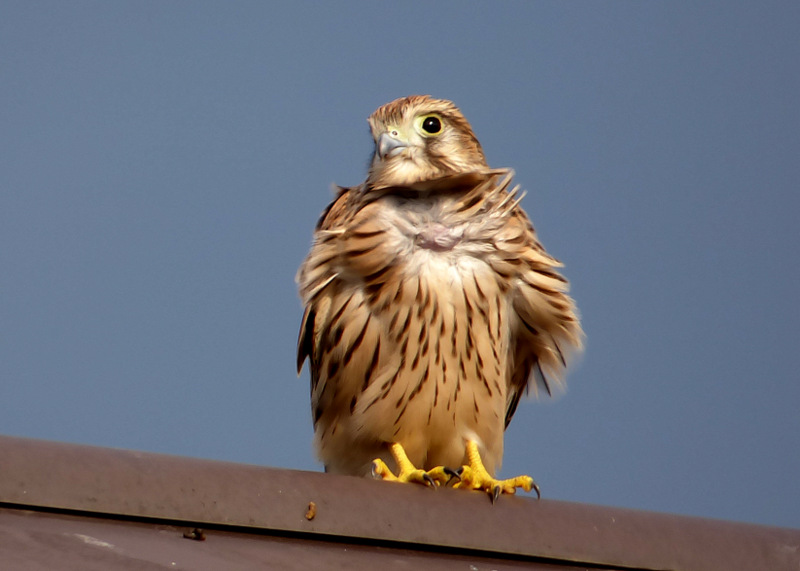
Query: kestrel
[{"x": 430, "y": 308}]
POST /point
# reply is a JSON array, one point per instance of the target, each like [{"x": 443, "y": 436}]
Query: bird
[{"x": 430, "y": 308}]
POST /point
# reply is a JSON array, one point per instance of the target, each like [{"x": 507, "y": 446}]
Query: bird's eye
[{"x": 430, "y": 124}]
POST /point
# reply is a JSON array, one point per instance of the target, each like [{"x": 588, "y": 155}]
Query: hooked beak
[{"x": 391, "y": 143}]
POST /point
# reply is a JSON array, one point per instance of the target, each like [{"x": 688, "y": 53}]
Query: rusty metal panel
[{"x": 124, "y": 483}]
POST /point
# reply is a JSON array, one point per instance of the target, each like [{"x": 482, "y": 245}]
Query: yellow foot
[
  {"x": 407, "y": 472},
  {"x": 475, "y": 477}
]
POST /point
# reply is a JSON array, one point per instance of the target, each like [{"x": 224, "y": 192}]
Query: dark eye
[{"x": 431, "y": 125}]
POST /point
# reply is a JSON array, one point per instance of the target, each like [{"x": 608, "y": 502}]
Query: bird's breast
[{"x": 426, "y": 236}]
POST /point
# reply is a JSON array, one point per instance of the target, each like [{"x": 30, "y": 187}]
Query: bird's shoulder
[{"x": 340, "y": 208}]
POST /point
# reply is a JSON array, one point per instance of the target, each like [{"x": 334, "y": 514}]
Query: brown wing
[
  {"x": 342, "y": 329},
  {"x": 547, "y": 328},
  {"x": 331, "y": 217}
]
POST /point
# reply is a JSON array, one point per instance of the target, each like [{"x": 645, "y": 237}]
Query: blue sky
[{"x": 163, "y": 165}]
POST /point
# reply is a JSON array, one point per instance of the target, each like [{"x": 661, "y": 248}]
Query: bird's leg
[
  {"x": 474, "y": 476},
  {"x": 407, "y": 472}
]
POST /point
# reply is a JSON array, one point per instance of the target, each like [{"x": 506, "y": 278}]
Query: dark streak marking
[
  {"x": 372, "y": 365},
  {"x": 419, "y": 386},
  {"x": 415, "y": 362},
  {"x": 494, "y": 353},
  {"x": 373, "y": 291},
  {"x": 543, "y": 378},
  {"x": 406, "y": 322},
  {"x": 486, "y": 384},
  {"x": 422, "y": 303},
  {"x": 550, "y": 274},
  {"x": 469, "y": 307},
  {"x": 367, "y": 234},
  {"x": 398, "y": 295},
  {"x": 560, "y": 354},
  {"x": 335, "y": 319},
  {"x": 541, "y": 289},
  {"x": 483, "y": 312},
  {"x": 530, "y": 328},
  {"x": 399, "y": 416},
  {"x": 361, "y": 252},
  {"x": 385, "y": 386},
  {"x": 356, "y": 343},
  {"x": 470, "y": 203},
  {"x": 435, "y": 312},
  {"x": 333, "y": 368},
  {"x": 478, "y": 286},
  {"x": 337, "y": 335}
]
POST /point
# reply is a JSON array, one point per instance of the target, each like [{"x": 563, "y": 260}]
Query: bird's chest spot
[
  {"x": 425, "y": 238},
  {"x": 437, "y": 237}
]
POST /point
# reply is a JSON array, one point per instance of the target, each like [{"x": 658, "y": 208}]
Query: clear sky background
[{"x": 162, "y": 165}]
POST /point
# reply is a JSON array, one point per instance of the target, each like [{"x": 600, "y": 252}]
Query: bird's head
[{"x": 418, "y": 138}]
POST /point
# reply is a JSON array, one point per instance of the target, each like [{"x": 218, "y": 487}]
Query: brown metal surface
[
  {"x": 41, "y": 541},
  {"x": 123, "y": 483}
]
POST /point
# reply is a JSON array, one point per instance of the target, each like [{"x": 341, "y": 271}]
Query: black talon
[
  {"x": 429, "y": 481},
  {"x": 453, "y": 474},
  {"x": 373, "y": 470},
  {"x": 536, "y": 489},
  {"x": 495, "y": 493}
]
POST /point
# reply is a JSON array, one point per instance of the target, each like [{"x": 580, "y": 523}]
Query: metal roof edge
[{"x": 117, "y": 483}]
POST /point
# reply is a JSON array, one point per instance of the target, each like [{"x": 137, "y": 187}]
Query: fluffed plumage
[{"x": 430, "y": 305}]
